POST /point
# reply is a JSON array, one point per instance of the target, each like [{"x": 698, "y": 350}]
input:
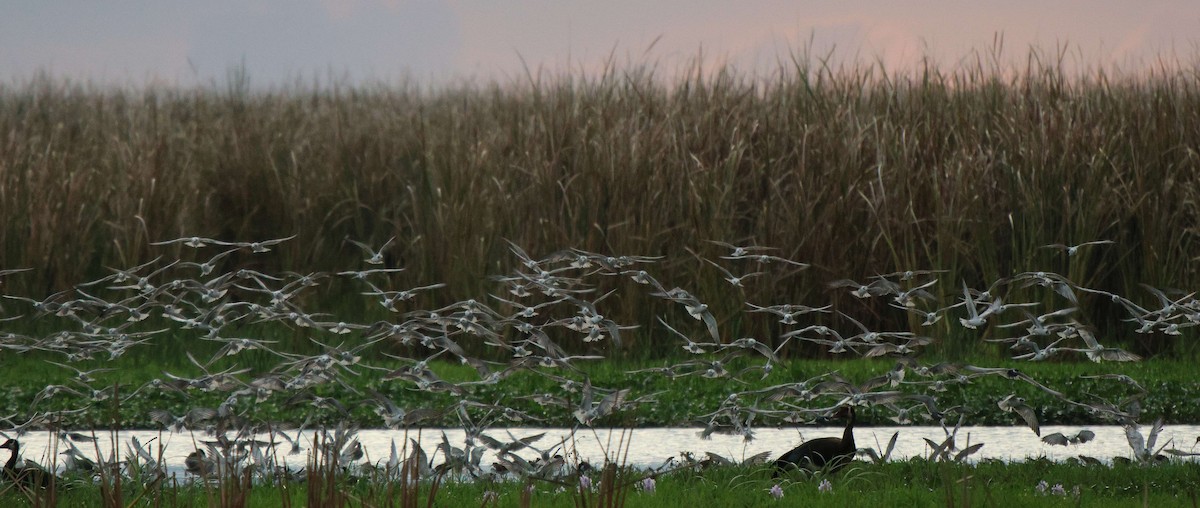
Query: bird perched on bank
[
  {"x": 831, "y": 452},
  {"x": 25, "y": 475},
  {"x": 198, "y": 463}
]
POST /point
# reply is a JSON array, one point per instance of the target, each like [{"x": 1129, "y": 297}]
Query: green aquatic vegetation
[
  {"x": 906, "y": 483},
  {"x": 1174, "y": 393}
]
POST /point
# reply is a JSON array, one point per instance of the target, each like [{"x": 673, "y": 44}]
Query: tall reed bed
[{"x": 855, "y": 170}]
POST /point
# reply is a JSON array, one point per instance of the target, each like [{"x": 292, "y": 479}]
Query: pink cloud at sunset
[{"x": 431, "y": 41}]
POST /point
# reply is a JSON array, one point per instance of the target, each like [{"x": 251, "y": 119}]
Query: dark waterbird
[
  {"x": 199, "y": 464},
  {"x": 820, "y": 453},
  {"x": 26, "y": 476}
]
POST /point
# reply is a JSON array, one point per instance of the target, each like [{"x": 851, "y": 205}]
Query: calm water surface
[{"x": 651, "y": 447}]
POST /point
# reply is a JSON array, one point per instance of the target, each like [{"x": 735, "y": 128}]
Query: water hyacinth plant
[{"x": 775, "y": 491}]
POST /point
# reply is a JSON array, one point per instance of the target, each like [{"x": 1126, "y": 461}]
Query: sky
[{"x": 279, "y": 42}]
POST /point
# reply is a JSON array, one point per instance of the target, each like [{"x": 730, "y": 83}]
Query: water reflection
[{"x": 651, "y": 447}]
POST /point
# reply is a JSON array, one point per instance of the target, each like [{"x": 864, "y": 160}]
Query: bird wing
[
  {"x": 1056, "y": 438},
  {"x": 1119, "y": 355},
  {"x": 711, "y": 323},
  {"x": 972, "y": 311},
  {"x": 967, "y": 452},
  {"x": 1154, "y": 430},
  {"x": 1136, "y": 442},
  {"x": 939, "y": 450},
  {"x": 611, "y": 401},
  {"x": 891, "y": 446},
  {"x": 1030, "y": 418}
]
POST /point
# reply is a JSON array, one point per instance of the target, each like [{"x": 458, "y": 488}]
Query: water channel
[{"x": 651, "y": 447}]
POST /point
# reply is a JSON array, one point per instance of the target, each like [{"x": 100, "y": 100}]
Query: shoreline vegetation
[
  {"x": 1174, "y": 395},
  {"x": 1017, "y": 248},
  {"x": 899, "y": 483}
]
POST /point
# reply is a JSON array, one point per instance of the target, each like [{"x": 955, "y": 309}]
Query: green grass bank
[
  {"x": 909, "y": 483},
  {"x": 1173, "y": 393}
]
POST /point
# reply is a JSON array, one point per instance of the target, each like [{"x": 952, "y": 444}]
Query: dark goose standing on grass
[
  {"x": 28, "y": 476},
  {"x": 199, "y": 464},
  {"x": 818, "y": 453}
]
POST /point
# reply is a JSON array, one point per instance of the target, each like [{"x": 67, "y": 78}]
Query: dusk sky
[{"x": 135, "y": 42}]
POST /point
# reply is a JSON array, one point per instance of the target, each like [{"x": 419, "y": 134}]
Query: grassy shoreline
[
  {"x": 905, "y": 483},
  {"x": 1174, "y": 394}
]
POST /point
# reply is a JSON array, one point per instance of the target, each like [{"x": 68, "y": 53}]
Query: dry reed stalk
[{"x": 852, "y": 169}]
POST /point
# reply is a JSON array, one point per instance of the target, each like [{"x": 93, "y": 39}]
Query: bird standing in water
[{"x": 831, "y": 452}]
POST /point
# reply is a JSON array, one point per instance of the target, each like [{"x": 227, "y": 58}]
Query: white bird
[
  {"x": 740, "y": 251},
  {"x": 1143, "y": 448},
  {"x": 374, "y": 256},
  {"x": 735, "y": 280},
  {"x": 207, "y": 267},
  {"x": 974, "y": 319},
  {"x": 1060, "y": 439},
  {"x": 1040, "y": 353},
  {"x": 194, "y": 242},
  {"x": 907, "y": 297},
  {"x": 4, "y": 273},
  {"x": 787, "y": 312},
  {"x": 1098, "y": 353},
  {"x": 695, "y": 308},
  {"x": 1071, "y": 250},
  {"x": 877, "y": 287},
  {"x": 690, "y": 346},
  {"x": 588, "y": 412},
  {"x": 1015, "y": 404},
  {"x": 764, "y": 259},
  {"x": 264, "y": 246}
]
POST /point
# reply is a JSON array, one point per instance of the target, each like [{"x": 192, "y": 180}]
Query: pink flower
[
  {"x": 585, "y": 483},
  {"x": 648, "y": 485}
]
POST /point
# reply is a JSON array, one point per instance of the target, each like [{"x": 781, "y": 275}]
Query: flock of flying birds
[{"x": 544, "y": 308}]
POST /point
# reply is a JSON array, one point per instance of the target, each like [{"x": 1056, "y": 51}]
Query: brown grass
[{"x": 852, "y": 169}]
